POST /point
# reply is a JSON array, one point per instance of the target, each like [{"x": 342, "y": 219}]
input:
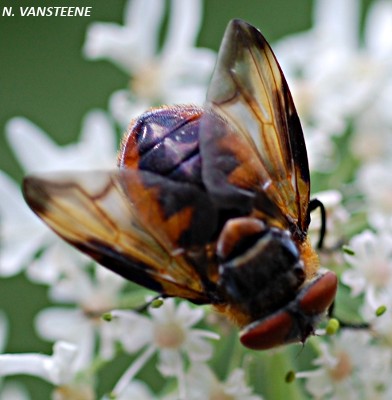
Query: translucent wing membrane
[
  {"x": 265, "y": 163},
  {"x": 121, "y": 220}
]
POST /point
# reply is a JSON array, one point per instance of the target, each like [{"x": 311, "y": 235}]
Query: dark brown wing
[
  {"x": 251, "y": 139},
  {"x": 134, "y": 223}
]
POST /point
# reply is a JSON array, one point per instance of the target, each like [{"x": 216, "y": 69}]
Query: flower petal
[
  {"x": 197, "y": 349},
  {"x": 97, "y": 142},
  {"x": 22, "y": 233},
  {"x": 170, "y": 362},
  {"x": 184, "y": 25},
  {"x": 35, "y": 151},
  {"x": 378, "y": 29},
  {"x": 121, "y": 43},
  {"x": 188, "y": 316},
  {"x": 56, "y": 369},
  {"x": 136, "y": 330}
]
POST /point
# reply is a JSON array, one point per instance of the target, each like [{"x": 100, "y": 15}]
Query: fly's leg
[{"x": 313, "y": 205}]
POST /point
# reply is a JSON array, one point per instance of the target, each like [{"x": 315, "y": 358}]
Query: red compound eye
[
  {"x": 267, "y": 333},
  {"x": 319, "y": 295}
]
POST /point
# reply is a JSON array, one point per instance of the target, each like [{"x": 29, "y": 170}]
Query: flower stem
[{"x": 134, "y": 368}]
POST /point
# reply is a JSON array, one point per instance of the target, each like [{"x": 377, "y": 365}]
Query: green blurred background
[{"x": 44, "y": 78}]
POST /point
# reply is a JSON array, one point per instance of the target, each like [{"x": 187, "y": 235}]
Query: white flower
[
  {"x": 136, "y": 390},
  {"x": 169, "y": 332},
  {"x": 36, "y": 152},
  {"x": 75, "y": 390},
  {"x": 22, "y": 232},
  {"x": 203, "y": 384},
  {"x": 376, "y": 121},
  {"x": 58, "y": 323},
  {"x": 335, "y": 81},
  {"x": 381, "y": 326},
  {"x": 132, "y": 43},
  {"x": 14, "y": 391},
  {"x": 55, "y": 264},
  {"x": 376, "y": 183},
  {"x": 319, "y": 57},
  {"x": 319, "y": 149},
  {"x": 176, "y": 73},
  {"x": 9, "y": 390},
  {"x": 350, "y": 367},
  {"x": 93, "y": 295},
  {"x": 371, "y": 267},
  {"x": 23, "y": 235},
  {"x": 57, "y": 369}
]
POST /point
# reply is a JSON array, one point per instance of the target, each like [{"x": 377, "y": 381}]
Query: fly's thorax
[{"x": 260, "y": 269}]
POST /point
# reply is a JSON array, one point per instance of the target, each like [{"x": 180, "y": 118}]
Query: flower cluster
[
  {"x": 176, "y": 73},
  {"x": 342, "y": 87}
]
